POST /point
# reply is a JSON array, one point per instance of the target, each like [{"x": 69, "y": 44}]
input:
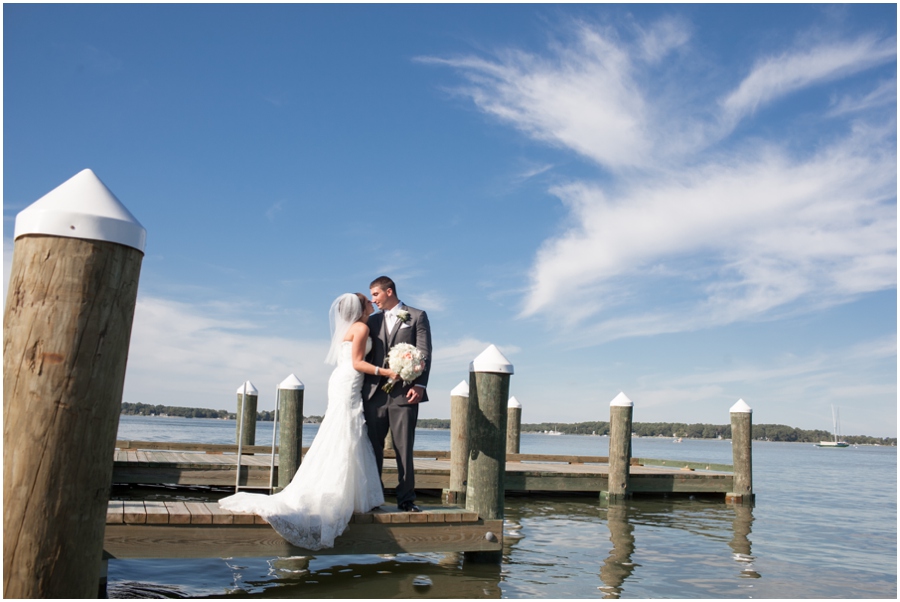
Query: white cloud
[
  {"x": 583, "y": 98},
  {"x": 751, "y": 232},
  {"x": 777, "y": 76},
  {"x": 197, "y": 356},
  {"x": 747, "y": 237},
  {"x": 885, "y": 94}
]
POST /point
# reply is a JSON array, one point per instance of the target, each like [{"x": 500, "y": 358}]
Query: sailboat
[{"x": 835, "y": 419}]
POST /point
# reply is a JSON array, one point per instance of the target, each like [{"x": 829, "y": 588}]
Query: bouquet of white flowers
[{"x": 407, "y": 361}]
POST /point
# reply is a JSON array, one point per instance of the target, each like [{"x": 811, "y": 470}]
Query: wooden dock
[
  {"x": 146, "y": 529},
  {"x": 142, "y": 462}
]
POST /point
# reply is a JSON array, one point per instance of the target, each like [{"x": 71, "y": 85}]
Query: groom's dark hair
[{"x": 384, "y": 283}]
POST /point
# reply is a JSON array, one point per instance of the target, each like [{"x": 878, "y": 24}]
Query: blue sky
[{"x": 690, "y": 204}]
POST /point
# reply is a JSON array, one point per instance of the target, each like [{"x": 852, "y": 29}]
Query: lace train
[{"x": 338, "y": 475}]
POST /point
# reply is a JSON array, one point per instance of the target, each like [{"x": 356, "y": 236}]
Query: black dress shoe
[{"x": 409, "y": 507}]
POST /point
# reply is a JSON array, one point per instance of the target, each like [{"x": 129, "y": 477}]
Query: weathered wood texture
[
  {"x": 290, "y": 429},
  {"x": 67, "y": 328},
  {"x": 488, "y": 394},
  {"x": 619, "y": 450},
  {"x": 742, "y": 456},
  {"x": 459, "y": 448},
  {"x": 246, "y": 416},
  {"x": 203, "y": 530},
  {"x": 524, "y": 473},
  {"x": 513, "y": 430}
]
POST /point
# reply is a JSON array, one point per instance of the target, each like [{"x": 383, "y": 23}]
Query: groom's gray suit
[{"x": 390, "y": 411}]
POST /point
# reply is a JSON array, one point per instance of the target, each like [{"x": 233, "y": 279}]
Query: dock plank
[
  {"x": 237, "y": 541},
  {"x": 134, "y": 512},
  {"x": 200, "y": 514},
  {"x": 178, "y": 513},
  {"x": 115, "y": 512},
  {"x": 157, "y": 514}
]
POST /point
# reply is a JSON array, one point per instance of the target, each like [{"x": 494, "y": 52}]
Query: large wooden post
[
  {"x": 489, "y": 376},
  {"x": 459, "y": 444},
  {"x": 513, "y": 425},
  {"x": 290, "y": 412},
  {"x": 67, "y": 327},
  {"x": 245, "y": 431},
  {"x": 741, "y": 453},
  {"x": 621, "y": 411}
]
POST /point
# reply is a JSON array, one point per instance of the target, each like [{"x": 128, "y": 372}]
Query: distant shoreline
[{"x": 772, "y": 433}]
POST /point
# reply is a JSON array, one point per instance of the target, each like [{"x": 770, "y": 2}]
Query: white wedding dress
[{"x": 338, "y": 475}]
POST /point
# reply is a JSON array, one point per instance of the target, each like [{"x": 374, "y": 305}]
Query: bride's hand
[{"x": 390, "y": 374}]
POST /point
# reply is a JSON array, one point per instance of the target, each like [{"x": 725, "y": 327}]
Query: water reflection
[
  {"x": 702, "y": 519},
  {"x": 618, "y": 565},
  {"x": 740, "y": 542},
  {"x": 409, "y": 576}
]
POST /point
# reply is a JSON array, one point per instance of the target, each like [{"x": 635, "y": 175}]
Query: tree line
[
  {"x": 145, "y": 409},
  {"x": 761, "y": 432}
]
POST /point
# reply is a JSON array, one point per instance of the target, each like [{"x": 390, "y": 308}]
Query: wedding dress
[{"x": 337, "y": 476}]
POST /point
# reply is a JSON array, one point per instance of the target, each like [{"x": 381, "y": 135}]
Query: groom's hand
[{"x": 415, "y": 394}]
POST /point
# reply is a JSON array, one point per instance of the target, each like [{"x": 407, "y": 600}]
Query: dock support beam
[
  {"x": 459, "y": 444},
  {"x": 742, "y": 453},
  {"x": 67, "y": 328},
  {"x": 290, "y": 446},
  {"x": 513, "y": 425},
  {"x": 621, "y": 410},
  {"x": 245, "y": 430},
  {"x": 489, "y": 377}
]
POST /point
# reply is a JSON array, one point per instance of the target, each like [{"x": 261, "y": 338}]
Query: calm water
[{"x": 824, "y": 526}]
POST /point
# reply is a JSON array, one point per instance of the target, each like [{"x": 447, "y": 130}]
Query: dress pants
[{"x": 390, "y": 411}]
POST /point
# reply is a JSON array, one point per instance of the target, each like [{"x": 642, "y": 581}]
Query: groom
[{"x": 398, "y": 410}]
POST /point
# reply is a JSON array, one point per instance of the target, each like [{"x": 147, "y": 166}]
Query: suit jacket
[{"x": 416, "y": 331}]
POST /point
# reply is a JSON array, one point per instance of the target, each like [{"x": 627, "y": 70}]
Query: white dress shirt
[{"x": 390, "y": 317}]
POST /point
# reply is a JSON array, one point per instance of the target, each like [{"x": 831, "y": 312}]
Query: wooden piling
[
  {"x": 245, "y": 431},
  {"x": 67, "y": 327},
  {"x": 459, "y": 444},
  {"x": 741, "y": 453},
  {"x": 489, "y": 376},
  {"x": 513, "y": 425},
  {"x": 290, "y": 413},
  {"x": 621, "y": 411}
]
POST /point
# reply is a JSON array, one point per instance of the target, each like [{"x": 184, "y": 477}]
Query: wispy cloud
[
  {"x": 273, "y": 210},
  {"x": 753, "y": 232},
  {"x": 883, "y": 95},
  {"x": 774, "y": 77},
  {"x": 197, "y": 355}
]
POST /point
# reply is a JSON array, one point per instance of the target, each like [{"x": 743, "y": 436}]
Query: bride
[{"x": 338, "y": 475}]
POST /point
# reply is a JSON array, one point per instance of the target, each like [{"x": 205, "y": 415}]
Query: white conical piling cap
[
  {"x": 461, "y": 390},
  {"x": 622, "y": 400},
  {"x": 251, "y": 390},
  {"x": 513, "y": 403},
  {"x": 491, "y": 360},
  {"x": 82, "y": 207},
  {"x": 291, "y": 383},
  {"x": 741, "y": 407}
]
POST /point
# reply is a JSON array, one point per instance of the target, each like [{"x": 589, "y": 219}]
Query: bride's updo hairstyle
[
  {"x": 346, "y": 309},
  {"x": 362, "y": 302}
]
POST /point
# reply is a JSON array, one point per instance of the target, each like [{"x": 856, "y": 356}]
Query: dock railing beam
[
  {"x": 67, "y": 328},
  {"x": 621, "y": 412},
  {"x": 459, "y": 444},
  {"x": 290, "y": 447},
  {"x": 741, "y": 453},
  {"x": 489, "y": 375},
  {"x": 513, "y": 425}
]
